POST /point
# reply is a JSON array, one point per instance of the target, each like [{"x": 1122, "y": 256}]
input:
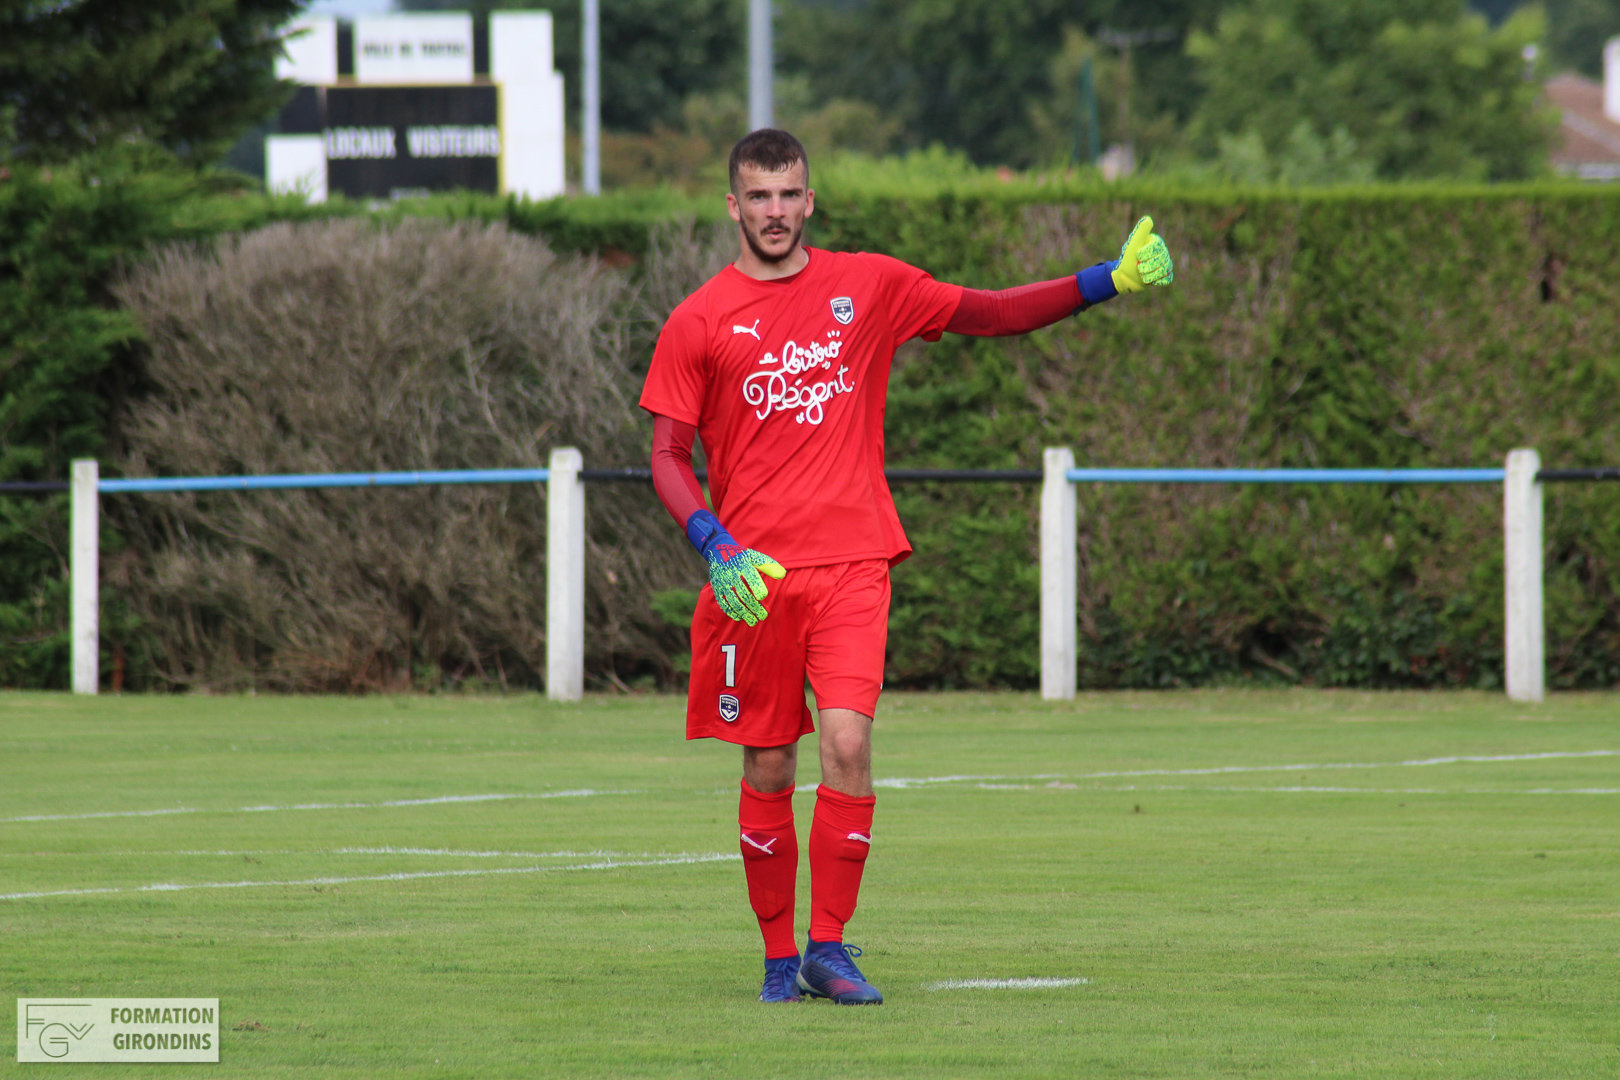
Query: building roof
[{"x": 1588, "y": 143}]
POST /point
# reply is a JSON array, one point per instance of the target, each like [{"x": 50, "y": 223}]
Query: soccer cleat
[
  {"x": 829, "y": 971},
  {"x": 780, "y": 984}
]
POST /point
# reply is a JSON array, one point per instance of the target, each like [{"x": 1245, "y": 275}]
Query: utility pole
[
  {"x": 1123, "y": 40},
  {"x": 591, "y": 122},
  {"x": 1085, "y": 118},
  {"x": 760, "y": 66}
]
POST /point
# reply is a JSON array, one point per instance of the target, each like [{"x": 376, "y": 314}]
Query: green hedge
[
  {"x": 69, "y": 358},
  {"x": 1388, "y": 327},
  {"x": 65, "y": 360}
]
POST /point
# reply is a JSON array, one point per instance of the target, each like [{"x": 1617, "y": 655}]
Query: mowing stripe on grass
[
  {"x": 895, "y": 782},
  {"x": 604, "y": 864},
  {"x": 1219, "y": 770},
  {"x": 1004, "y": 984},
  {"x": 433, "y": 801},
  {"x": 1301, "y": 789},
  {"x": 1461, "y": 759}
]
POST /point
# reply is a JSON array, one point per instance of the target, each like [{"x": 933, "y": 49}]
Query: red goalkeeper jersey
[{"x": 786, "y": 383}]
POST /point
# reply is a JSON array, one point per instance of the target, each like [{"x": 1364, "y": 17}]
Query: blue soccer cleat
[
  {"x": 780, "y": 980},
  {"x": 829, "y": 971}
]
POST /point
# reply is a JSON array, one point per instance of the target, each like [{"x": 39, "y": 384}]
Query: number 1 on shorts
[{"x": 731, "y": 664}]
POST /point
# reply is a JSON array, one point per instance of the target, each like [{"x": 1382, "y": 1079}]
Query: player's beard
[{"x": 766, "y": 257}]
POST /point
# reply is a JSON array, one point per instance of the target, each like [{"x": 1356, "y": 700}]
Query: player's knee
[
  {"x": 849, "y": 751},
  {"x": 769, "y": 770}
]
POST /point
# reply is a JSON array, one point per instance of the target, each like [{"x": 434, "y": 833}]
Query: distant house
[{"x": 1588, "y": 144}]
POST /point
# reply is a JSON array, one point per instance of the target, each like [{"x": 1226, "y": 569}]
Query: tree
[
  {"x": 1424, "y": 88},
  {"x": 1577, "y": 30},
  {"x": 65, "y": 361},
  {"x": 993, "y": 77},
  {"x": 185, "y": 75}
]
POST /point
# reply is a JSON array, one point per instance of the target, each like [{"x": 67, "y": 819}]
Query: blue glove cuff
[
  {"x": 704, "y": 529},
  {"x": 1097, "y": 282}
]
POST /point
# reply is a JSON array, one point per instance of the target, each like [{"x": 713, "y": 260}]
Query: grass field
[{"x": 1223, "y": 883}]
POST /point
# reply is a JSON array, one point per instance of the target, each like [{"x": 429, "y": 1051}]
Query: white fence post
[
  {"x": 1521, "y": 526},
  {"x": 565, "y": 577},
  {"x": 84, "y": 567},
  {"x": 1059, "y": 672}
]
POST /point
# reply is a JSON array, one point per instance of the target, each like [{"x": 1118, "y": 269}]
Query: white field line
[
  {"x": 1222, "y": 770},
  {"x": 458, "y": 854},
  {"x": 238, "y": 853},
  {"x": 436, "y": 800},
  {"x": 1303, "y": 789},
  {"x": 895, "y": 782},
  {"x": 603, "y": 864},
  {"x": 1004, "y": 984},
  {"x": 1314, "y": 789}
]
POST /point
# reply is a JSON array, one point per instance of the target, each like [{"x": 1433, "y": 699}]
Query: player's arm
[
  {"x": 734, "y": 571},
  {"x": 1143, "y": 261}
]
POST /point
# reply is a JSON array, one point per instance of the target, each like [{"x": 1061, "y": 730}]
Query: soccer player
[{"x": 780, "y": 363}]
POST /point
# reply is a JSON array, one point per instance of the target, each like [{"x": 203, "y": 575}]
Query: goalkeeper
[{"x": 780, "y": 364}]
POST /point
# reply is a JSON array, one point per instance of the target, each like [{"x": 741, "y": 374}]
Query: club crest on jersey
[
  {"x": 730, "y": 708},
  {"x": 843, "y": 309}
]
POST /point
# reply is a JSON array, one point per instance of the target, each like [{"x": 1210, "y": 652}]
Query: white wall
[
  {"x": 311, "y": 48},
  {"x": 520, "y": 62},
  {"x": 1611, "y": 79},
  {"x": 296, "y": 165}
]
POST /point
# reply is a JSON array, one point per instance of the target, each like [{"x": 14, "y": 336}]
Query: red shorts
[{"x": 827, "y": 623}]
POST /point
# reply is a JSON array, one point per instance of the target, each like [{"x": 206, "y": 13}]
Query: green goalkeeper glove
[
  {"x": 734, "y": 571},
  {"x": 1143, "y": 261}
]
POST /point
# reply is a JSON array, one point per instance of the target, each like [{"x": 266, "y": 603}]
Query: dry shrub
[{"x": 345, "y": 347}]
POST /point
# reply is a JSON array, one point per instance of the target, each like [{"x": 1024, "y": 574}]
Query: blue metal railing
[{"x": 327, "y": 480}]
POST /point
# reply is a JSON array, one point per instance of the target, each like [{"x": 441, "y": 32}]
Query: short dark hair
[{"x": 770, "y": 149}]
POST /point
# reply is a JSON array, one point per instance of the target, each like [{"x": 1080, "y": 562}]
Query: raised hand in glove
[{"x": 1143, "y": 261}]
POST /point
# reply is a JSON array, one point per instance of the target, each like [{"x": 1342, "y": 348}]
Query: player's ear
[
  {"x": 732, "y": 208},
  {"x": 809, "y": 201}
]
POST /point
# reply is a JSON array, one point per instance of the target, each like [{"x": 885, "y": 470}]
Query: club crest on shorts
[
  {"x": 843, "y": 309},
  {"x": 730, "y": 707}
]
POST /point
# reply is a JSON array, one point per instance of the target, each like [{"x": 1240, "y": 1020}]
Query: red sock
[
  {"x": 840, "y": 837},
  {"x": 770, "y": 851}
]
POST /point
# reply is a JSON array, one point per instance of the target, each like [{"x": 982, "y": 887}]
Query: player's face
[{"x": 770, "y": 208}]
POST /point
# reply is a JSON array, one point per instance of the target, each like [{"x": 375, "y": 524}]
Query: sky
[{"x": 344, "y": 9}]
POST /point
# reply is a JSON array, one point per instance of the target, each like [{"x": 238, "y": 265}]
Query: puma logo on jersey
[{"x": 735, "y": 329}]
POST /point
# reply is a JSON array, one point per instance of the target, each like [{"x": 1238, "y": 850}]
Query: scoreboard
[{"x": 402, "y": 105}]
